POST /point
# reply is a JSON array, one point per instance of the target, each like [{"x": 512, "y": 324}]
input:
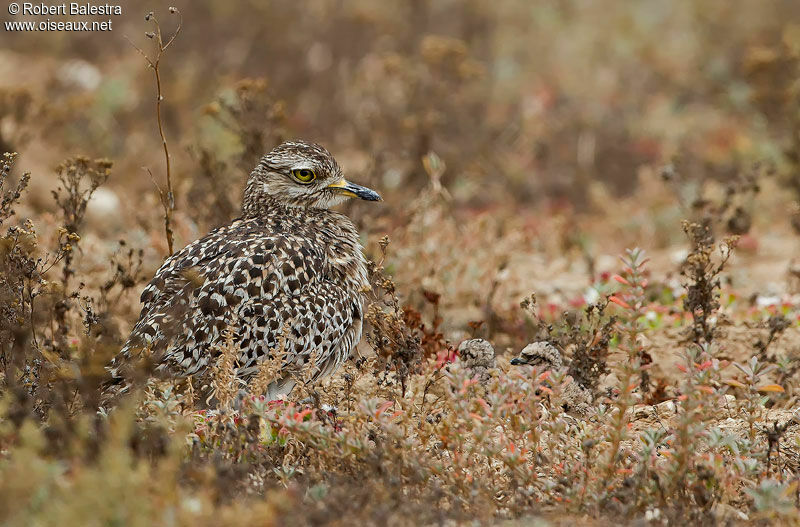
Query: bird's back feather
[{"x": 286, "y": 277}]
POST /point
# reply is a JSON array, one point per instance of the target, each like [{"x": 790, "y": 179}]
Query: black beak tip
[
  {"x": 368, "y": 194},
  {"x": 516, "y": 361}
]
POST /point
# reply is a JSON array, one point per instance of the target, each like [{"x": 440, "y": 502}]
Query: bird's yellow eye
[{"x": 304, "y": 175}]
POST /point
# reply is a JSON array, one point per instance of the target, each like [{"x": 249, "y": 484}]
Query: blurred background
[{"x": 519, "y": 145}]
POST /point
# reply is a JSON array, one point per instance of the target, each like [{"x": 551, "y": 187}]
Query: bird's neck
[{"x": 257, "y": 202}]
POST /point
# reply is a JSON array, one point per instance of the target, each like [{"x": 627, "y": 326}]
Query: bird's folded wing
[{"x": 270, "y": 290}]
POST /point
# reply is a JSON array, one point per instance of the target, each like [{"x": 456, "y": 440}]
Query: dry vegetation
[{"x": 619, "y": 182}]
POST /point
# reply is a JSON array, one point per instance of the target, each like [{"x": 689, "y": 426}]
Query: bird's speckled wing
[{"x": 262, "y": 284}]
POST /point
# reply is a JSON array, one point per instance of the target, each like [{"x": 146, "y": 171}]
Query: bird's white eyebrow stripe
[{"x": 304, "y": 166}]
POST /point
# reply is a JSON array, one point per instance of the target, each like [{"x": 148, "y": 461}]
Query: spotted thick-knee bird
[{"x": 288, "y": 274}]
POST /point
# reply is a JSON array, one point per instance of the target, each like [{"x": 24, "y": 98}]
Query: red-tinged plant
[
  {"x": 755, "y": 389},
  {"x": 683, "y": 478},
  {"x": 445, "y": 357},
  {"x": 631, "y": 298}
]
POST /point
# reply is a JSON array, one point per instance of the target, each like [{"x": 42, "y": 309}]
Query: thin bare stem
[
  {"x": 167, "y": 197},
  {"x": 167, "y": 201}
]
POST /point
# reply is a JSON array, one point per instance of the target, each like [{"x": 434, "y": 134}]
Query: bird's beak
[
  {"x": 516, "y": 361},
  {"x": 354, "y": 191}
]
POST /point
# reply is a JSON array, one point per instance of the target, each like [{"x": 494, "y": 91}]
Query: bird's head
[
  {"x": 300, "y": 174},
  {"x": 540, "y": 354}
]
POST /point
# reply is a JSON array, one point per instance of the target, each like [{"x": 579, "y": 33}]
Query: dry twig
[{"x": 167, "y": 197}]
